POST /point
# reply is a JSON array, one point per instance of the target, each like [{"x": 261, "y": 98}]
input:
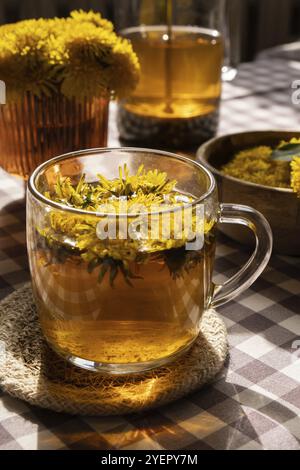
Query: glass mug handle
[{"x": 244, "y": 215}]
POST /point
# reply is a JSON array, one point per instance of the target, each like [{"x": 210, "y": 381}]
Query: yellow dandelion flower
[
  {"x": 255, "y": 165},
  {"x": 64, "y": 234},
  {"x": 295, "y": 175},
  {"x": 77, "y": 56},
  {"x": 124, "y": 70},
  {"x": 91, "y": 17}
]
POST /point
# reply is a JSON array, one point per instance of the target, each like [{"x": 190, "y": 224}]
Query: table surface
[{"x": 255, "y": 402}]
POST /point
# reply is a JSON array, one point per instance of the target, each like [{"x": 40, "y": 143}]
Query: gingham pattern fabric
[{"x": 255, "y": 402}]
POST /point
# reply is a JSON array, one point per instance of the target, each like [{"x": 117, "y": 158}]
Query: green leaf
[
  {"x": 125, "y": 274},
  {"x": 113, "y": 274},
  {"x": 286, "y": 153},
  {"x": 94, "y": 264},
  {"x": 88, "y": 200},
  {"x": 102, "y": 272}
]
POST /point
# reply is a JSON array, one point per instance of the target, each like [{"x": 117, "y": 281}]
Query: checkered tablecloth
[{"x": 255, "y": 402}]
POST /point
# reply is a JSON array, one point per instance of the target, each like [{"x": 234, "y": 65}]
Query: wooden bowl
[{"x": 280, "y": 206}]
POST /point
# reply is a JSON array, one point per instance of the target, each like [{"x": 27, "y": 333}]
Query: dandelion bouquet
[
  {"x": 60, "y": 75},
  {"x": 79, "y": 56}
]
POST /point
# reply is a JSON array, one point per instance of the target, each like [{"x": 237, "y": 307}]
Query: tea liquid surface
[{"x": 180, "y": 75}]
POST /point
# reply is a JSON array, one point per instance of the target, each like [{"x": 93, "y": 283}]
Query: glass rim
[{"x": 32, "y": 188}]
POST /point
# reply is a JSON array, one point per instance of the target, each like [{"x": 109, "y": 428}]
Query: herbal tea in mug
[{"x": 122, "y": 245}]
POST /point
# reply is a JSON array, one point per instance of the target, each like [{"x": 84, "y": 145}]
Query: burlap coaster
[{"x": 31, "y": 371}]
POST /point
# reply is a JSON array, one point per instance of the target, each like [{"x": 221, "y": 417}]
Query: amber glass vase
[{"x": 34, "y": 129}]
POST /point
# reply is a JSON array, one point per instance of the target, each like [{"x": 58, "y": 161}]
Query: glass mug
[{"x": 147, "y": 322}]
